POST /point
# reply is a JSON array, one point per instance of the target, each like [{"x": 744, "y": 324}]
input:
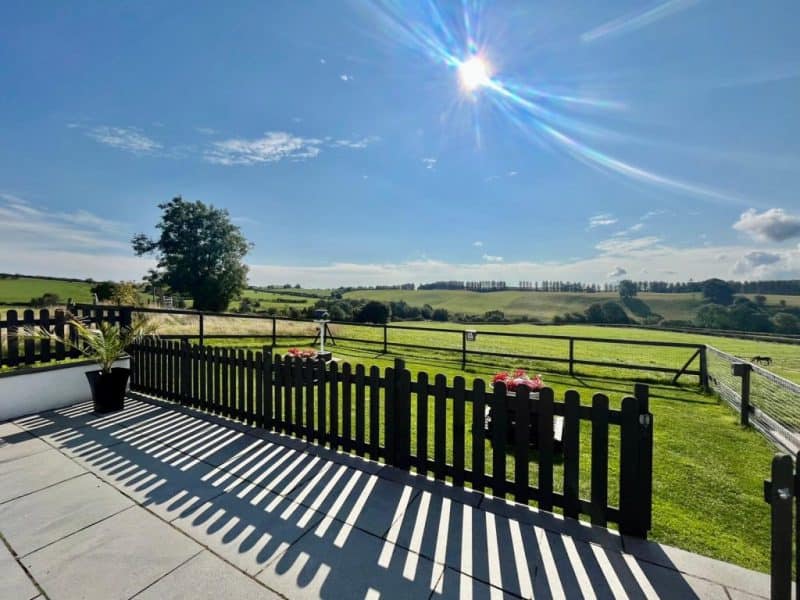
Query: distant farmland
[
  {"x": 543, "y": 305},
  {"x": 20, "y": 290}
]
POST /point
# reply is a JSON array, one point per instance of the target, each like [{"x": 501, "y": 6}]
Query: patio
[{"x": 161, "y": 501}]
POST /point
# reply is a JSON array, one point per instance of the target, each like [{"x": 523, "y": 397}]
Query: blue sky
[{"x": 651, "y": 140}]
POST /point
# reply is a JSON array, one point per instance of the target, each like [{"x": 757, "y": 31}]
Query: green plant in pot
[{"x": 105, "y": 344}]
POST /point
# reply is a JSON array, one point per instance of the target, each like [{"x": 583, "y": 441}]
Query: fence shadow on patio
[{"x": 304, "y": 519}]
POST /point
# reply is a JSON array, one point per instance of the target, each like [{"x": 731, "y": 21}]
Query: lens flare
[{"x": 474, "y": 73}]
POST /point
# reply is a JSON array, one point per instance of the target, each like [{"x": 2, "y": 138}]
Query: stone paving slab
[
  {"x": 206, "y": 577},
  {"x": 14, "y": 583},
  {"x": 46, "y": 516},
  {"x": 307, "y": 521},
  {"x": 16, "y": 443},
  {"x": 360, "y": 566},
  {"x": 358, "y": 498},
  {"x": 35, "y": 472},
  {"x": 113, "y": 559},
  {"x": 247, "y": 531}
]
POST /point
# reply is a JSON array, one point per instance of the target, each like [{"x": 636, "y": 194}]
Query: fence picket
[
  {"x": 545, "y": 443},
  {"x": 322, "y": 402},
  {"x": 309, "y": 367},
  {"x": 44, "y": 344},
  {"x": 29, "y": 343},
  {"x": 522, "y": 441},
  {"x": 241, "y": 386},
  {"x": 439, "y": 426},
  {"x": 571, "y": 443},
  {"x": 459, "y": 409},
  {"x": 347, "y": 406},
  {"x": 277, "y": 373},
  {"x": 297, "y": 382},
  {"x": 334, "y": 401},
  {"x": 599, "y": 459},
  {"x": 478, "y": 434},
  {"x": 59, "y": 331},
  {"x": 360, "y": 446},
  {"x": 374, "y": 412},
  {"x": 499, "y": 424},
  {"x": 13, "y": 340},
  {"x": 422, "y": 423}
]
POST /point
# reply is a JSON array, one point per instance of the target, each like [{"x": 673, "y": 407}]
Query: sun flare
[{"x": 474, "y": 73}]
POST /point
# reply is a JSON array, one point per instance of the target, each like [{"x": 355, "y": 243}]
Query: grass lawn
[
  {"x": 708, "y": 471},
  {"x": 22, "y": 289}
]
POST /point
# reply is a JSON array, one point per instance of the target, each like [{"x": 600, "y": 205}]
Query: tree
[
  {"x": 614, "y": 313},
  {"x": 199, "y": 253},
  {"x": 594, "y": 314},
  {"x": 713, "y": 316},
  {"x": 125, "y": 293},
  {"x": 374, "y": 312},
  {"x": 786, "y": 323},
  {"x": 103, "y": 290},
  {"x": 440, "y": 314},
  {"x": 717, "y": 291},
  {"x": 627, "y": 289}
]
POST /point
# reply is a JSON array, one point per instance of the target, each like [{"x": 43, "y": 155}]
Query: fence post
[
  {"x": 125, "y": 316},
  {"x": 463, "y": 350},
  {"x": 571, "y": 356},
  {"x": 186, "y": 371},
  {"x": 743, "y": 370},
  {"x": 202, "y": 332},
  {"x": 636, "y": 473},
  {"x": 385, "y": 339},
  {"x": 778, "y": 493},
  {"x": 273, "y": 331},
  {"x": 704, "y": 368}
]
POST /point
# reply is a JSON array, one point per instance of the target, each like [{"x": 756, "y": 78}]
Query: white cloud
[
  {"x": 346, "y": 77},
  {"x": 124, "y": 138},
  {"x": 492, "y": 259},
  {"x": 272, "y": 147},
  {"x": 773, "y": 225},
  {"x": 637, "y": 20},
  {"x": 206, "y": 130},
  {"x": 759, "y": 264},
  {"x": 601, "y": 220},
  {"x": 617, "y": 245},
  {"x": 617, "y": 272},
  {"x": 322, "y": 61},
  {"x": 25, "y": 228},
  {"x": 478, "y": 244},
  {"x": 429, "y": 163},
  {"x": 355, "y": 143},
  {"x": 653, "y": 213},
  {"x": 512, "y": 173}
]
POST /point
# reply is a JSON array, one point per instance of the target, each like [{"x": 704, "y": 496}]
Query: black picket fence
[
  {"x": 782, "y": 492},
  {"x": 17, "y": 349},
  {"x": 424, "y": 425}
]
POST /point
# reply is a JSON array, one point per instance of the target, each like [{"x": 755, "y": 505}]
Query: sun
[{"x": 474, "y": 73}]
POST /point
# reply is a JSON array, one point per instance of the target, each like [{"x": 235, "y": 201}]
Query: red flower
[{"x": 520, "y": 373}]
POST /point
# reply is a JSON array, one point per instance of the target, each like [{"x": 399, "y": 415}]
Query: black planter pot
[{"x": 108, "y": 389}]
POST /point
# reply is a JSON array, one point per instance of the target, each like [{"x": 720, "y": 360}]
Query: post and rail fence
[
  {"x": 558, "y": 352},
  {"x": 426, "y": 425},
  {"x": 782, "y": 493}
]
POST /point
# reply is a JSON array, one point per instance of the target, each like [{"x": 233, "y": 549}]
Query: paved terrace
[{"x": 160, "y": 501}]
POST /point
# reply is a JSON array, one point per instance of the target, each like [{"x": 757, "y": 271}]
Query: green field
[
  {"x": 21, "y": 290},
  {"x": 708, "y": 471},
  {"x": 543, "y": 306}
]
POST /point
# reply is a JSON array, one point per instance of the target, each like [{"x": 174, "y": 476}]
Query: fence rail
[
  {"x": 425, "y": 425},
  {"x": 569, "y": 353},
  {"x": 763, "y": 399}
]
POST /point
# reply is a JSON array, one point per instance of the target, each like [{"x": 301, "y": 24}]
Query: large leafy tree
[{"x": 199, "y": 253}]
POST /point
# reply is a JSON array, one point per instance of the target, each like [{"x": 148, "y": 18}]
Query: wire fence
[{"x": 763, "y": 399}]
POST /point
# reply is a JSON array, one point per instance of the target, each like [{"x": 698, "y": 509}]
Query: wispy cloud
[
  {"x": 618, "y": 246},
  {"x": 124, "y": 138},
  {"x": 25, "y": 226},
  {"x": 637, "y": 20},
  {"x": 492, "y": 259},
  {"x": 206, "y": 130},
  {"x": 346, "y": 77},
  {"x": 355, "y": 143},
  {"x": 478, "y": 244},
  {"x": 271, "y": 147},
  {"x": 601, "y": 220},
  {"x": 429, "y": 163}
]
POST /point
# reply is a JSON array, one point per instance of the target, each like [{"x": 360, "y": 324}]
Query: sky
[{"x": 374, "y": 143}]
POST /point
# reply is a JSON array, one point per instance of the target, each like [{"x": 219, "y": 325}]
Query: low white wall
[{"x": 37, "y": 390}]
